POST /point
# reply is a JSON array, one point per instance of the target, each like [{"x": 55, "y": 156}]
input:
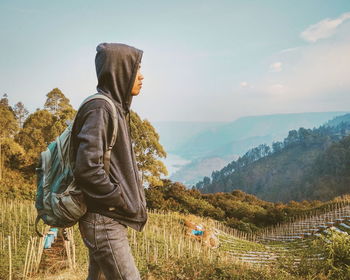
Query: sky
[{"x": 204, "y": 60}]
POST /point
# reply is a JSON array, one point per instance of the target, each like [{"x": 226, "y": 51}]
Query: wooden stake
[{"x": 10, "y": 258}]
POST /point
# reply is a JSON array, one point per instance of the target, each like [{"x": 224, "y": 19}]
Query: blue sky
[{"x": 203, "y": 60}]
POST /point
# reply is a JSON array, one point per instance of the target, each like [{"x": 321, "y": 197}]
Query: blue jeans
[{"x": 109, "y": 251}]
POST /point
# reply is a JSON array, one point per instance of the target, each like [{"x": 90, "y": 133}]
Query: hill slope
[
  {"x": 310, "y": 164},
  {"x": 216, "y": 144}
]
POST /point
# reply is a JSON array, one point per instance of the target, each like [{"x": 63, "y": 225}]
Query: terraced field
[
  {"x": 304, "y": 227},
  {"x": 165, "y": 239},
  {"x": 287, "y": 240}
]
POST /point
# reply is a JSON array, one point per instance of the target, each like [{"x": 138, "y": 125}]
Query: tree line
[
  {"x": 25, "y": 135},
  {"x": 236, "y": 209}
]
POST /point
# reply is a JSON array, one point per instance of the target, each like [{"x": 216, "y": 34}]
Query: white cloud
[
  {"x": 289, "y": 50},
  {"x": 316, "y": 79},
  {"x": 323, "y": 29},
  {"x": 276, "y": 67},
  {"x": 316, "y": 72},
  {"x": 276, "y": 89},
  {"x": 322, "y": 70},
  {"x": 244, "y": 84}
]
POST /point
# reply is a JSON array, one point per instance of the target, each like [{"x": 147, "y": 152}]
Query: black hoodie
[{"x": 119, "y": 194}]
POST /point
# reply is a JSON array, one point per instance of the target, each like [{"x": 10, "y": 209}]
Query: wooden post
[
  {"x": 26, "y": 261},
  {"x": 10, "y": 258}
]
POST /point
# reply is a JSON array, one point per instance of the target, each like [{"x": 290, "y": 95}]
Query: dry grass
[
  {"x": 164, "y": 250},
  {"x": 69, "y": 274}
]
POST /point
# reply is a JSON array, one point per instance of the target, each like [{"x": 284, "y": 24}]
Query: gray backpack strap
[{"x": 107, "y": 154}]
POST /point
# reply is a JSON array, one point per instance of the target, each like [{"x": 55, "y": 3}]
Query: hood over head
[{"x": 116, "y": 69}]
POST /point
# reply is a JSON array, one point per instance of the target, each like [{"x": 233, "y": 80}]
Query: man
[{"x": 115, "y": 199}]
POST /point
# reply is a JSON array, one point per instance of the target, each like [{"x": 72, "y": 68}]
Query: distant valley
[{"x": 198, "y": 148}]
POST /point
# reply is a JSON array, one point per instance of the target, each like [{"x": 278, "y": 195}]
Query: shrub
[{"x": 336, "y": 249}]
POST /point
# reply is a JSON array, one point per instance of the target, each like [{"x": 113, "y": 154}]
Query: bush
[{"x": 336, "y": 249}]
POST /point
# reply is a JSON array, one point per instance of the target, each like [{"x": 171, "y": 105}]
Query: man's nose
[{"x": 141, "y": 77}]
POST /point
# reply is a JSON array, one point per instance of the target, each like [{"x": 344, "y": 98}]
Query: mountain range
[{"x": 211, "y": 145}]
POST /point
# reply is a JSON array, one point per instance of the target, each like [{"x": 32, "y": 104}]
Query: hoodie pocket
[
  {"x": 120, "y": 202},
  {"x": 128, "y": 202}
]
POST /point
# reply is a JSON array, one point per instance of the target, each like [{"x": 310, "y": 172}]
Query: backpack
[{"x": 59, "y": 201}]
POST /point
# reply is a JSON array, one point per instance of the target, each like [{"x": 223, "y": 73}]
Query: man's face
[{"x": 138, "y": 82}]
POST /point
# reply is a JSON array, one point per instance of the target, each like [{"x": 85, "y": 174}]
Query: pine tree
[
  {"x": 4, "y": 100},
  {"x": 58, "y": 105},
  {"x": 57, "y": 102},
  {"x": 21, "y": 113}
]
